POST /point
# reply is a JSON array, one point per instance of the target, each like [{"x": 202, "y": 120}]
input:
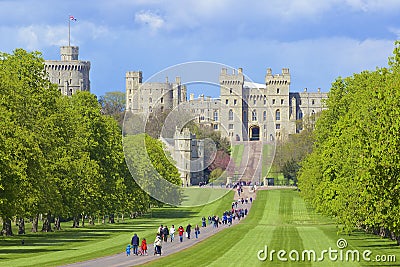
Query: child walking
[{"x": 143, "y": 247}]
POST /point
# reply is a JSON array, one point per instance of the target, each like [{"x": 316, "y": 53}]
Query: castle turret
[{"x": 69, "y": 73}]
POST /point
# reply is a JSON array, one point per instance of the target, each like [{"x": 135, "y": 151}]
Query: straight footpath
[{"x": 168, "y": 248}]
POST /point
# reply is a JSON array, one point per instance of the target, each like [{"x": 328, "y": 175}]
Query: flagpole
[{"x": 69, "y": 31}]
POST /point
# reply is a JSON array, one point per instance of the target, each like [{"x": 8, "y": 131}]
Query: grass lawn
[
  {"x": 280, "y": 220},
  {"x": 237, "y": 154},
  {"x": 72, "y": 245},
  {"x": 268, "y": 154},
  {"x": 197, "y": 196}
]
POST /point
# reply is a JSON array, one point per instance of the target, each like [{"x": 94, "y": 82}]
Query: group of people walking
[{"x": 164, "y": 233}]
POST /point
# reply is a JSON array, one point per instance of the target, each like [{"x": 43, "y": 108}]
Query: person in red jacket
[{"x": 180, "y": 232}]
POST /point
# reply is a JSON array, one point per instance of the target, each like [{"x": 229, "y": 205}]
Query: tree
[
  {"x": 113, "y": 104},
  {"x": 353, "y": 172}
]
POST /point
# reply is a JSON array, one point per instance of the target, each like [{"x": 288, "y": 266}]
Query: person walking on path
[
  {"x": 135, "y": 244},
  {"x": 188, "y": 230},
  {"x": 165, "y": 233},
  {"x": 157, "y": 245},
  {"x": 180, "y": 232},
  {"x": 143, "y": 247},
  {"x": 203, "y": 222},
  {"x": 197, "y": 231},
  {"x": 172, "y": 233}
]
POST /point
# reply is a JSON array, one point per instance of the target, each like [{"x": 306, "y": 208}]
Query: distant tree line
[
  {"x": 353, "y": 172},
  {"x": 60, "y": 157}
]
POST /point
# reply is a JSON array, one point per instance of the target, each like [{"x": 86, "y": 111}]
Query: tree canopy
[
  {"x": 353, "y": 172},
  {"x": 59, "y": 156}
]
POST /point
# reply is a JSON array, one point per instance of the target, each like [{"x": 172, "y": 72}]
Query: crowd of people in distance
[{"x": 164, "y": 233}]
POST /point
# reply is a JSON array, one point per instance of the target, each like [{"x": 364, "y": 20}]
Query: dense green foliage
[
  {"x": 60, "y": 156},
  {"x": 353, "y": 172}
]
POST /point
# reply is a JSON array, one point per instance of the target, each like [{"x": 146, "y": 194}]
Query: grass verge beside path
[
  {"x": 280, "y": 220},
  {"x": 73, "y": 245}
]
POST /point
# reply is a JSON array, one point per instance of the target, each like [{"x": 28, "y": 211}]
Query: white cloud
[{"x": 149, "y": 19}]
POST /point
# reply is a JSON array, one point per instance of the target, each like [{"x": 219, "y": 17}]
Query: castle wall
[{"x": 69, "y": 73}]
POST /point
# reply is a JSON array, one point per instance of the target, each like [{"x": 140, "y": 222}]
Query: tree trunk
[
  {"x": 83, "y": 220},
  {"x": 104, "y": 219},
  {"x": 7, "y": 230},
  {"x": 21, "y": 226},
  {"x": 47, "y": 223},
  {"x": 35, "y": 221},
  {"x": 75, "y": 222},
  {"x": 57, "y": 223},
  {"x": 122, "y": 217}
]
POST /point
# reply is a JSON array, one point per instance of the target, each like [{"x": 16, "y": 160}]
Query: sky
[{"x": 317, "y": 40}]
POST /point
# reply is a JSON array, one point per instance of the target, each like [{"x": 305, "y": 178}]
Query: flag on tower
[{"x": 72, "y": 18}]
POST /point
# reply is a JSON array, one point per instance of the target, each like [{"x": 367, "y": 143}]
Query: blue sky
[{"x": 318, "y": 40}]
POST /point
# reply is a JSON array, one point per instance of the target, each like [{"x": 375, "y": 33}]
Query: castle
[
  {"x": 245, "y": 111},
  {"x": 70, "y": 74}
]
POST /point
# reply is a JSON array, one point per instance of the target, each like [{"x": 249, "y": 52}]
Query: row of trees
[
  {"x": 353, "y": 172},
  {"x": 59, "y": 156}
]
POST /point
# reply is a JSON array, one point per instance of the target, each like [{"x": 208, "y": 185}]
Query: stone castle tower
[
  {"x": 151, "y": 96},
  {"x": 189, "y": 155},
  {"x": 69, "y": 73}
]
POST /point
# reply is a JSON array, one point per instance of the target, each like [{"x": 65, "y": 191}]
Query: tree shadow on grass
[{"x": 23, "y": 251}]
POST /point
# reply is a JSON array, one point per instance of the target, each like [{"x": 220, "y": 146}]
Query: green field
[
  {"x": 198, "y": 196},
  {"x": 72, "y": 245},
  {"x": 237, "y": 153},
  {"x": 280, "y": 220}
]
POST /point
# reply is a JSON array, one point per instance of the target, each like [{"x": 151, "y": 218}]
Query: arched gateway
[{"x": 254, "y": 133}]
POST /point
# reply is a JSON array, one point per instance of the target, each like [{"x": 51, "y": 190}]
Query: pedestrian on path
[
  {"x": 157, "y": 245},
  {"x": 188, "y": 230},
  {"x": 180, "y": 232},
  {"x": 165, "y": 233},
  {"x": 172, "y": 232},
  {"x": 197, "y": 231},
  {"x": 128, "y": 250},
  {"x": 143, "y": 247},
  {"x": 135, "y": 244}
]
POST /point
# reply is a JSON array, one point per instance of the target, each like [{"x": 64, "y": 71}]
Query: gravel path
[{"x": 168, "y": 248}]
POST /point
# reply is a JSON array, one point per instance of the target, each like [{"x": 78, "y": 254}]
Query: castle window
[
  {"x": 277, "y": 90},
  {"x": 150, "y": 100},
  {"x": 215, "y": 126},
  {"x": 273, "y": 101},
  {"x": 254, "y": 115},
  {"x": 254, "y": 101},
  {"x": 282, "y": 101},
  {"x": 215, "y": 115},
  {"x": 277, "y": 115},
  {"x": 230, "y": 91},
  {"x": 313, "y": 115},
  {"x": 230, "y": 126},
  {"x": 277, "y": 126},
  {"x": 265, "y": 115},
  {"x": 150, "y": 109},
  {"x": 162, "y": 100},
  {"x": 299, "y": 101},
  {"x": 265, "y": 101},
  {"x": 150, "y": 91},
  {"x": 312, "y": 102},
  {"x": 162, "y": 108},
  {"x": 231, "y": 115},
  {"x": 227, "y": 101},
  {"x": 235, "y": 102}
]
